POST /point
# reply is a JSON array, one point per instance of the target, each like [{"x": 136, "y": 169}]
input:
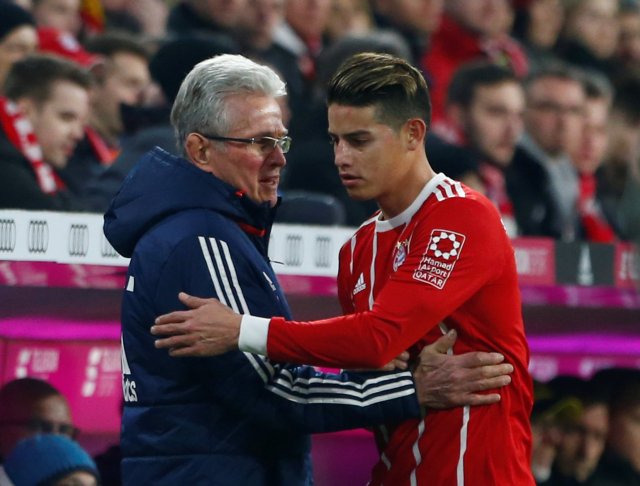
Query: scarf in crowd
[
  {"x": 101, "y": 150},
  {"x": 496, "y": 190},
  {"x": 21, "y": 135},
  {"x": 594, "y": 224}
]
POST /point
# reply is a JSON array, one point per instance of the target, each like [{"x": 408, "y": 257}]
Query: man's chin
[
  {"x": 269, "y": 196},
  {"x": 357, "y": 194},
  {"x": 57, "y": 163}
]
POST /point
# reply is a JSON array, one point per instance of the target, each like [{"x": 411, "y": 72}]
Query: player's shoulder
[{"x": 448, "y": 192}]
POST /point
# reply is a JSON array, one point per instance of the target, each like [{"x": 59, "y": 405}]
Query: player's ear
[{"x": 415, "y": 131}]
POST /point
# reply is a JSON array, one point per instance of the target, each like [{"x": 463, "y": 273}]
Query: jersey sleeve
[
  {"x": 280, "y": 396},
  {"x": 457, "y": 248}
]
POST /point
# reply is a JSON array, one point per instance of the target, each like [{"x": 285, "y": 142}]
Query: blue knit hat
[{"x": 46, "y": 458}]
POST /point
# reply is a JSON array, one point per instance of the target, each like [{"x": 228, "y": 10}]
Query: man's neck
[
  {"x": 110, "y": 138},
  {"x": 407, "y": 190}
]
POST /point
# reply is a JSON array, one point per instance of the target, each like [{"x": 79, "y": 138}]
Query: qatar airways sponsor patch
[{"x": 439, "y": 258}]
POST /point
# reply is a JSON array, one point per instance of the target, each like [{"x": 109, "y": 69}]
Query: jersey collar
[{"x": 405, "y": 216}]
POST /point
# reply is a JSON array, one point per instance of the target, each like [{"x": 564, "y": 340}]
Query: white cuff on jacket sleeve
[{"x": 253, "y": 334}]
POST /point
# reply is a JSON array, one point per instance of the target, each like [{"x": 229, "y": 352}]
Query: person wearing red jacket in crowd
[
  {"x": 470, "y": 29},
  {"x": 434, "y": 258}
]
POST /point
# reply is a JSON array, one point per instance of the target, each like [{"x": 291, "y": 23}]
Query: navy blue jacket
[{"x": 235, "y": 419}]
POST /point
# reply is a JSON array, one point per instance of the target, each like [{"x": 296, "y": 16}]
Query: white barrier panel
[{"x": 78, "y": 238}]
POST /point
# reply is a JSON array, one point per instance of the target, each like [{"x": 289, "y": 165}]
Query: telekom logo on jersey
[{"x": 439, "y": 257}]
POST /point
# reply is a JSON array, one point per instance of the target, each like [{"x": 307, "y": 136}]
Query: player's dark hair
[{"x": 396, "y": 89}]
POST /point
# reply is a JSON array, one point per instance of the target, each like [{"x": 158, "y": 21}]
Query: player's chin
[{"x": 358, "y": 192}]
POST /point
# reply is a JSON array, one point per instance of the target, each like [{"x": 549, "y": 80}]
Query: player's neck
[{"x": 405, "y": 191}]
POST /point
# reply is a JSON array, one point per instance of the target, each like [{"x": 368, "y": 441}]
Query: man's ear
[
  {"x": 27, "y": 107},
  {"x": 198, "y": 150},
  {"x": 416, "y": 130}
]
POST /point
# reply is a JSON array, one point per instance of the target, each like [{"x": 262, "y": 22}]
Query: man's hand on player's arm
[
  {"x": 208, "y": 328},
  {"x": 444, "y": 380}
]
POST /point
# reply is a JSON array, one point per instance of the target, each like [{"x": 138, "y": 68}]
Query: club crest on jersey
[
  {"x": 439, "y": 258},
  {"x": 400, "y": 254}
]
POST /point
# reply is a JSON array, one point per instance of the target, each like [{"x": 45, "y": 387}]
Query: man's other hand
[
  {"x": 209, "y": 328},
  {"x": 445, "y": 381}
]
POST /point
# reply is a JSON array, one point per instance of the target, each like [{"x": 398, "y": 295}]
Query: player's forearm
[{"x": 354, "y": 341}]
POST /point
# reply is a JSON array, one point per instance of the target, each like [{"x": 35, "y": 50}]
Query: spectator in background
[
  {"x": 537, "y": 26},
  {"x": 620, "y": 464},
  {"x": 628, "y": 50},
  {"x": 414, "y": 21},
  {"x": 552, "y": 409},
  {"x": 168, "y": 66},
  {"x": 542, "y": 181},
  {"x": 256, "y": 39},
  {"x": 30, "y": 406},
  {"x": 485, "y": 106},
  {"x": 257, "y": 25},
  {"x": 349, "y": 17},
  {"x": 301, "y": 35},
  {"x": 589, "y": 154},
  {"x": 144, "y": 17},
  {"x": 590, "y": 34},
  {"x": 43, "y": 118},
  {"x": 121, "y": 80},
  {"x": 50, "y": 460},
  {"x": 470, "y": 30},
  {"x": 62, "y": 15},
  {"x": 18, "y": 37},
  {"x": 619, "y": 175},
  {"x": 206, "y": 16},
  {"x": 583, "y": 438}
]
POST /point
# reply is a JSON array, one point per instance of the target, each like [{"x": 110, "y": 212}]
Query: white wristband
[{"x": 253, "y": 334}]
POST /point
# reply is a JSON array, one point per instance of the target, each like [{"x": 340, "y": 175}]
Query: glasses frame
[{"x": 283, "y": 142}]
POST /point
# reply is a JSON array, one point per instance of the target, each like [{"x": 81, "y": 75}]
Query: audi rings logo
[
  {"x": 7, "y": 235},
  {"x": 293, "y": 251},
  {"x": 106, "y": 249},
  {"x": 78, "y": 243},
  {"x": 38, "y": 236},
  {"x": 323, "y": 252}
]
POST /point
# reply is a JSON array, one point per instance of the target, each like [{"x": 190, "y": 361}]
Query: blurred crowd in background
[{"x": 535, "y": 102}]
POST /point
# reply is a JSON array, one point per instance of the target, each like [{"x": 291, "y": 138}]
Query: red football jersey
[{"x": 444, "y": 263}]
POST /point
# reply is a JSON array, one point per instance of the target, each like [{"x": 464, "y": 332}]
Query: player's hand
[
  {"x": 446, "y": 381},
  {"x": 209, "y": 328}
]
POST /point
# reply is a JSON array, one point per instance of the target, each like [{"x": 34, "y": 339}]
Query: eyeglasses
[
  {"x": 266, "y": 144},
  {"x": 38, "y": 426}
]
